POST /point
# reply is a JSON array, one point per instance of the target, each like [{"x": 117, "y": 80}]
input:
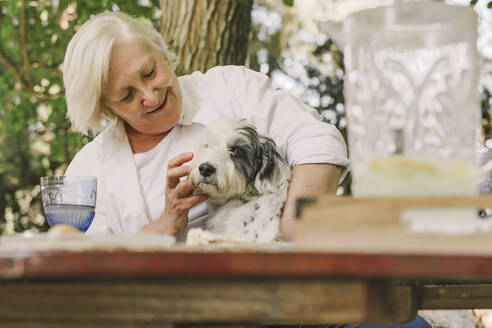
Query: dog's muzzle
[{"x": 206, "y": 169}]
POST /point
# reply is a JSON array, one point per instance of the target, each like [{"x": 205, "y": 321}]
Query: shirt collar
[{"x": 194, "y": 104}]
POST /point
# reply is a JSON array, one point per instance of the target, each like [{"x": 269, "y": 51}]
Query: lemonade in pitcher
[{"x": 409, "y": 177}]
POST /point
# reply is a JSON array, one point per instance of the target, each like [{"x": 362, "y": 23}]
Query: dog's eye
[
  {"x": 204, "y": 146},
  {"x": 235, "y": 151}
]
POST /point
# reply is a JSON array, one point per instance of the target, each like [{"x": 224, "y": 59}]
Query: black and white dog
[{"x": 245, "y": 178}]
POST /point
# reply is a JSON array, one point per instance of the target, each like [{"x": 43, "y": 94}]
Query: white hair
[{"x": 86, "y": 63}]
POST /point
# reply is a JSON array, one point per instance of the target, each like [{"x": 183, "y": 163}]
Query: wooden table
[
  {"x": 183, "y": 287},
  {"x": 353, "y": 263}
]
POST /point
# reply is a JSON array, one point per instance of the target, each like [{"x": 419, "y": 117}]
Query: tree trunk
[{"x": 206, "y": 33}]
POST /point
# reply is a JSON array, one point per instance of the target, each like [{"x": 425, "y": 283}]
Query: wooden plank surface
[
  {"x": 454, "y": 296},
  {"x": 29, "y": 323},
  {"x": 124, "y": 264},
  {"x": 287, "y": 300},
  {"x": 344, "y": 224}
]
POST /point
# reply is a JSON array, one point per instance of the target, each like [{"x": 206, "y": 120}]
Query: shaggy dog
[{"x": 245, "y": 178}]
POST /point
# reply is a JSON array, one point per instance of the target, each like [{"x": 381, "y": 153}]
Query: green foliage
[
  {"x": 270, "y": 52},
  {"x": 289, "y": 3},
  {"x": 486, "y": 105},
  {"x": 35, "y": 137},
  {"x": 329, "y": 86}
]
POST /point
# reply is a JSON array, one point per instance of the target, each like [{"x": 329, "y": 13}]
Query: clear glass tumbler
[
  {"x": 412, "y": 100},
  {"x": 69, "y": 200}
]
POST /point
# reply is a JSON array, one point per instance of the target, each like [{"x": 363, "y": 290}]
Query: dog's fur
[{"x": 245, "y": 178}]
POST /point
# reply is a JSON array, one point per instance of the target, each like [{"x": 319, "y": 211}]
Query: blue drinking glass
[{"x": 69, "y": 200}]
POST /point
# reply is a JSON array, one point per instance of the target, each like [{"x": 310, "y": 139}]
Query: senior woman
[
  {"x": 117, "y": 68},
  {"x": 120, "y": 84}
]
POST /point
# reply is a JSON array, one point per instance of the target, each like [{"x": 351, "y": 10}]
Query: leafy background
[{"x": 35, "y": 137}]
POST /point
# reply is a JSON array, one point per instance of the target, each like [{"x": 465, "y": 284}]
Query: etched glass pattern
[
  {"x": 412, "y": 102},
  {"x": 69, "y": 200}
]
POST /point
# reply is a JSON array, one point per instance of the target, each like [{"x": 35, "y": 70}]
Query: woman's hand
[
  {"x": 179, "y": 193},
  {"x": 179, "y": 198}
]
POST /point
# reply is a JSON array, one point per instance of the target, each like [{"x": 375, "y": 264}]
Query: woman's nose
[{"x": 150, "y": 97}]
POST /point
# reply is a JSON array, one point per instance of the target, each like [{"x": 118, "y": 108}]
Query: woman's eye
[
  {"x": 128, "y": 96},
  {"x": 150, "y": 74}
]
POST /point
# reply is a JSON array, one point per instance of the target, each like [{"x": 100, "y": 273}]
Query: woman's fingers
[
  {"x": 179, "y": 190},
  {"x": 184, "y": 188},
  {"x": 179, "y": 160},
  {"x": 176, "y": 170},
  {"x": 182, "y": 198},
  {"x": 175, "y": 174},
  {"x": 192, "y": 200},
  {"x": 178, "y": 205}
]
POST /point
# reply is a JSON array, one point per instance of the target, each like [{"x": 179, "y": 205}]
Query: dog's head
[{"x": 234, "y": 160}]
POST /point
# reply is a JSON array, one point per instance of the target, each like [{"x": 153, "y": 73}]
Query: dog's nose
[{"x": 206, "y": 169}]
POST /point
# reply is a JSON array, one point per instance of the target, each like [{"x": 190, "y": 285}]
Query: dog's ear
[{"x": 274, "y": 172}]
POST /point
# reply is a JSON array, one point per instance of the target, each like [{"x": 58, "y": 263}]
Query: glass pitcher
[{"x": 412, "y": 100}]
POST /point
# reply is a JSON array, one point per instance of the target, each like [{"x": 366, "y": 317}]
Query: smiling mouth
[{"x": 161, "y": 106}]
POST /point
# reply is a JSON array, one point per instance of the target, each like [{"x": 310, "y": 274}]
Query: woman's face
[{"x": 142, "y": 89}]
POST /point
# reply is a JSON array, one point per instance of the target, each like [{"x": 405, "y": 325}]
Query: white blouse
[{"x": 131, "y": 187}]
